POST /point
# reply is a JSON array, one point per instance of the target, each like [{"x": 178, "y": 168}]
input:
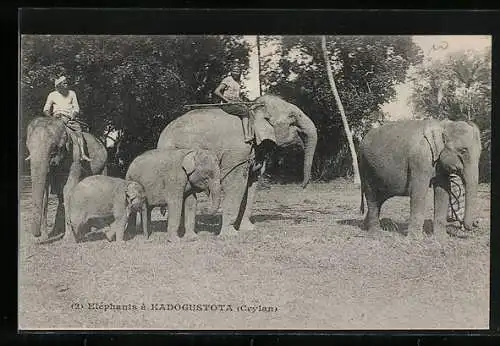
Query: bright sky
[{"x": 433, "y": 47}]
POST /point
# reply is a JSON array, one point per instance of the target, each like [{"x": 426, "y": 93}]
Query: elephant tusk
[{"x": 28, "y": 158}]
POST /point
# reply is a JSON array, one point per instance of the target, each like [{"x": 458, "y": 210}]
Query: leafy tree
[
  {"x": 134, "y": 85},
  {"x": 365, "y": 68},
  {"x": 458, "y": 88}
]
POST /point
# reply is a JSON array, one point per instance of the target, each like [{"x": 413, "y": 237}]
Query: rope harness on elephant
[
  {"x": 456, "y": 209},
  {"x": 250, "y": 161}
]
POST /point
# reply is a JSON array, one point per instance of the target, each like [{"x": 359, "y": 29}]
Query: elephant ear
[
  {"x": 260, "y": 109},
  {"x": 434, "y": 134},
  {"x": 188, "y": 163},
  {"x": 64, "y": 142}
]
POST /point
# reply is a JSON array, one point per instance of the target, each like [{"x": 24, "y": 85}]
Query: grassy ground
[{"x": 308, "y": 263}]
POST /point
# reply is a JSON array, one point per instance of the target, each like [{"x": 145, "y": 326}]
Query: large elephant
[
  {"x": 56, "y": 168},
  {"x": 218, "y": 131},
  {"x": 172, "y": 178},
  {"x": 405, "y": 158}
]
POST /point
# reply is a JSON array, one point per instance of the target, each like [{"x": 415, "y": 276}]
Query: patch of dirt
[{"x": 307, "y": 264}]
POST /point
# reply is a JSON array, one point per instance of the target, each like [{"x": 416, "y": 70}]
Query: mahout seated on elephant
[
  {"x": 62, "y": 103},
  {"x": 172, "y": 178},
  {"x": 405, "y": 158},
  {"x": 216, "y": 130},
  {"x": 101, "y": 199},
  {"x": 229, "y": 91},
  {"x": 56, "y": 167}
]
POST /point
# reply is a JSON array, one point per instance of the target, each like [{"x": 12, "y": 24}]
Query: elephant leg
[
  {"x": 246, "y": 224},
  {"x": 145, "y": 219},
  {"x": 119, "y": 226},
  {"x": 80, "y": 230},
  {"x": 73, "y": 179},
  {"x": 70, "y": 233},
  {"x": 44, "y": 226},
  {"x": 135, "y": 222},
  {"x": 234, "y": 186},
  {"x": 190, "y": 217},
  {"x": 59, "y": 221},
  {"x": 372, "y": 218},
  {"x": 174, "y": 218},
  {"x": 109, "y": 232},
  {"x": 418, "y": 194},
  {"x": 441, "y": 204}
]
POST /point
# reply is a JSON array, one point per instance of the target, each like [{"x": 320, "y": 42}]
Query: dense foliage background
[{"x": 136, "y": 85}]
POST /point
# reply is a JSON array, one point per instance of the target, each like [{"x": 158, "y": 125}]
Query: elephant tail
[
  {"x": 362, "y": 206},
  {"x": 362, "y": 185}
]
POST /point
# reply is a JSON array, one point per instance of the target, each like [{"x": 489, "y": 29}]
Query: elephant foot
[
  {"x": 373, "y": 228},
  {"x": 228, "y": 232},
  {"x": 69, "y": 238},
  {"x": 376, "y": 233},
  {"x": 247, "y": 225},
  {"x": 438, "y": 229},
  {"x": 120, "y": 243},
  {"x": 109, "y": 234},
  {"x": 41, "y": 239},
  {"x": 190, "y": 236},
  {"x": 416, "y": 235},
  {"x": 458, "y": 231},
  {"x": 173, "y": 238}
]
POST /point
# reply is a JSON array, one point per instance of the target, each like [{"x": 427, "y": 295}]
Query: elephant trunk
[
  {"x": 471, "y": 181},
  {"x": 215, "y": 195},
  {"x": 309, "y": 135},
  {"x": 39, "y": 171}
]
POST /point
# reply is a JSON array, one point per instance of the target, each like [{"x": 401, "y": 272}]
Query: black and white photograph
[{"x": 254, "y": 182}]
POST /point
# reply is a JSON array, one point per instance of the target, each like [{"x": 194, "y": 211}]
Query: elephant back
[
  {"x": 154, "y": 169},
  {"x": 204, "y": 128}
]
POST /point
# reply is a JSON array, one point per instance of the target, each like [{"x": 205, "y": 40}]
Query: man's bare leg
[
  {"x": 82, "y": 150},
  {"x": 246, "y": 129}
]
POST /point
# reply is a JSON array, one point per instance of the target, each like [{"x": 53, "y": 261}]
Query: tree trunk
[
  {"x": 258, "y": 65},
  {"x": 342, "y": 112}
]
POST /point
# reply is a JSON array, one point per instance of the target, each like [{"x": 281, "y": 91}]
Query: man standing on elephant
[
  {"x": 229, "y": 90},
  {"x": 62, "y": 103}
]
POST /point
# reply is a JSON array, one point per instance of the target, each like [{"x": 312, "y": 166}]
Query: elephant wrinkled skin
[
  {"x": 100, "y": 197},
  {"x": 215, "y": 130},
  {"x": 405, "y": 158},
  {"x": 172, "y": 178},
  {"x": 56, "y": 167}
]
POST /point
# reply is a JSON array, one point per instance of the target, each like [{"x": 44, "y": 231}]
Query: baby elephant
[
  {"x": 172, "y": 177},
  {"x": 99, "y": 198}
]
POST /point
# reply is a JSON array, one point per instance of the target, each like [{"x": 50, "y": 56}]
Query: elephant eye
[{"x": 463, "y": 151}]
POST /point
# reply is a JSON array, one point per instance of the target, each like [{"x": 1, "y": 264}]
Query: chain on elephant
[{"x": 456, "y": 210}]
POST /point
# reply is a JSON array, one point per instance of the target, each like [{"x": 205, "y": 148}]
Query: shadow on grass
[
  {"x": 278, "y": 217},
  {"x": 388, "y": 225}
]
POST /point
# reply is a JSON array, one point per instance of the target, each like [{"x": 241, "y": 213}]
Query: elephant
[
  {"x": 56, "y": 168},
  {"x": 99, "y": 197},
  {"x": 405, "y": 158},
  {"x": 216, "y": 130},
  {"x": 172, "y": 178}
]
